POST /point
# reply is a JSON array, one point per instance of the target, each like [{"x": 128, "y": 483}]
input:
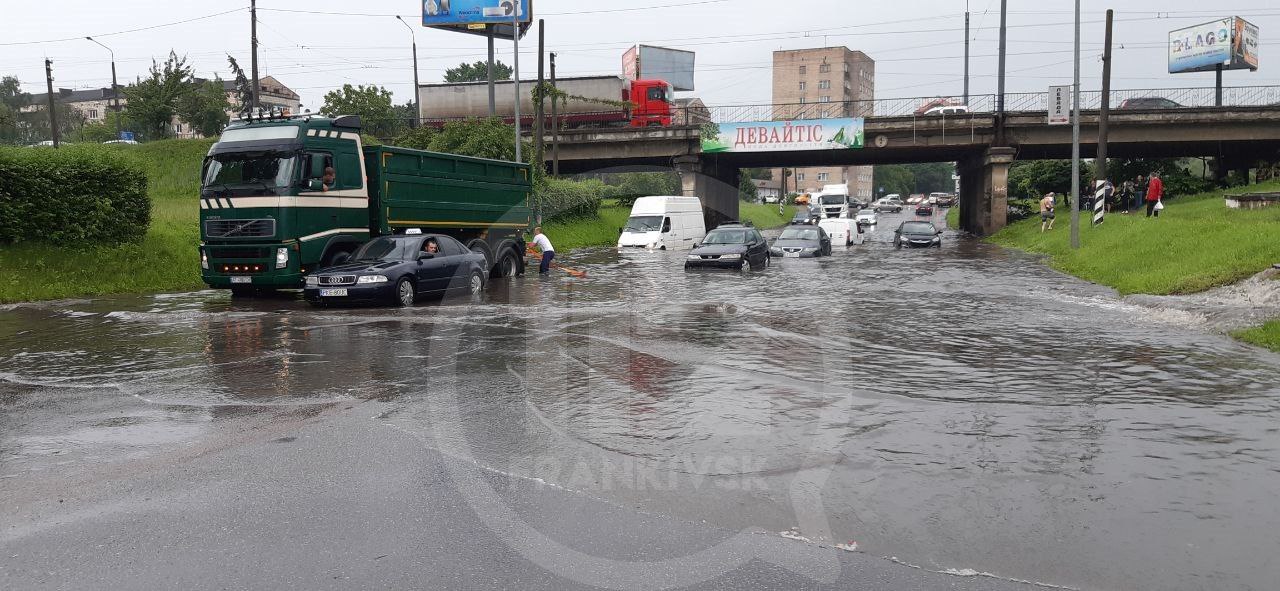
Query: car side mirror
[{"x": 426, "y": 255}]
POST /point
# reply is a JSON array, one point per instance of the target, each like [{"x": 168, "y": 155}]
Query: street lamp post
[
  {"x": 115, "y": 88},
  {"x": 417, "y": 107}
]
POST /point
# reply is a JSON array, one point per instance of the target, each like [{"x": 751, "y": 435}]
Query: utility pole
[
  {"x": 1004, "y": 6},
  {"x": 493, "y": 101},
  {"x": 515, "y": 69},
  {"x": 417, "y": 106},
  {"x": 53, "y": 114},
  {"x": 555, "y": 122},
  {"x": 966, "y": 53},
  {"x": 1075, "y": 140},
  {"x": 1104, "y": 114},
  {"x": 115, "y": 88},
  {"x": 539, "y": 124},
  {"x": 253, "y": 36}
]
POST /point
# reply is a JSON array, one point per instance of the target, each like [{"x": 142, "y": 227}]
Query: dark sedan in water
[
  {"x": 730, "y": 246},
  {"x": 397, "y": 269},
  {"x": 914, "y": 234},
  {"x": 801, "y": 240}
]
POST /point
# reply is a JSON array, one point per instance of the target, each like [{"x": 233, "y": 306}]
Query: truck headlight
[
  {"x": 282, "y": 257},
  {"x": 372, "y": 279},
  {"x": 204, "y": 259},
  {"x": 313, "y": 281}
]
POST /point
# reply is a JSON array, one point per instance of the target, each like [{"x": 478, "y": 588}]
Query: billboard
[
  {"x": 474, "y": 16},
  {"x": 1231, "y": 43},
  {"x": 662, "y": 63},
  {"x": 785, "y": 136}
]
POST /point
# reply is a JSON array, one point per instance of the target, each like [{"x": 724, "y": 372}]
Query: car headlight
[
  {"x": 694, "y": 257},
  {"x": 313, "y": 281},
  {"x": 204, "y": 259},
  {"x": 282, "y": 257},
  {"x": 809, "y": 249},
  {"x": 730, "y": 256},
  {"x": 777, "y": 249},
  {"x": 372, "y": 279}
]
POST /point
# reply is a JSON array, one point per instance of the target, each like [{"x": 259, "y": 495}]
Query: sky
[{"x": 918, "y": 45}]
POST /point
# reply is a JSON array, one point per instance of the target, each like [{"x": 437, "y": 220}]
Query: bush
[
  {"x": 75, "y": 194},
  {"x": 561, "y": 199},
  {"x": 635, "y": 185}
]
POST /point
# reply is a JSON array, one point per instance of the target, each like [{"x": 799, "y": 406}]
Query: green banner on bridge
[{"x": 786, "y": 136}]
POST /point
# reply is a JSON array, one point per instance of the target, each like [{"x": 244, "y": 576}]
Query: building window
[
  {"x": 799, "y": 176},
  {"x": 822, "y": 176},
  {"x": 802, "y": 85},
  {"x": 823, "y": 84},
  {"x": 846, "y": 68},
  {"x": 824, "y": 68},
  {"x": 93, "y": 113},
  {"x": 802, "y": 69},
  {"x": 801, "y": 102},
  {"x": 825, "y": 99}
]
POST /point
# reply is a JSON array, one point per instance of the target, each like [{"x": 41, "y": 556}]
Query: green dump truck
[{"x": 269, "y": 214}]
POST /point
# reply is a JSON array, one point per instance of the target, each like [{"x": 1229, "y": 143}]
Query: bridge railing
[{"x": 1157, "y": 98}]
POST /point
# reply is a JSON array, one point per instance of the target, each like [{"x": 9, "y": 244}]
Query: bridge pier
[
  {"x": 713, "y": 182},
  {"x": 984, "y": 191}
]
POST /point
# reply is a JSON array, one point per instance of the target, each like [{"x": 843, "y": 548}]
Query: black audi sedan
[
  {"x": 802, "y": 240},
  {"x": 730, "y": 246},
  {"x": 397, "y": 269},
  {"x": 917, "y": 234}
]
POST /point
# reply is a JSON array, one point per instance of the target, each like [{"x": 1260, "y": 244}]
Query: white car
[
  {"x": 866, "y": 217},
  {"x": 771, "y": 199}
]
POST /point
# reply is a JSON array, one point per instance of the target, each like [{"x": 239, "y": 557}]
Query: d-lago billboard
[
  {"x": 784, "y": 136},
  {"x": 662, "y": 63},
  {"x": 1230, "y": 42},
  {"x": 437, "y": 13}
]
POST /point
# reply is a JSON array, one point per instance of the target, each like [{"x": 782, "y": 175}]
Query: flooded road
[{"x": 962, "y": 409}]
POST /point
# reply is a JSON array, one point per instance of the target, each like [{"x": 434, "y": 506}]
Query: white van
[
  {"x": 664, "y": 222},
  {"x": 843, "y": 231}
]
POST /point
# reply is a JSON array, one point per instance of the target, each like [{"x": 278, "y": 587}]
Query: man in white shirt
[{"x": 544, "y": 246}]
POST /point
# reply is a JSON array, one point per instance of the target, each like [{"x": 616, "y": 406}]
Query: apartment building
[{"x": 826, "y": 82}]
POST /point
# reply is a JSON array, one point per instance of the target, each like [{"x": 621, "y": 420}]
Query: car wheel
[
  {"x": 405, "y": 293},
  {"x": 476, "y": 284},
  {"x": 508, "y": 264}
]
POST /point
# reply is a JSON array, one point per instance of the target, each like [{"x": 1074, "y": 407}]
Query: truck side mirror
[{"x": 315, "y": 167}]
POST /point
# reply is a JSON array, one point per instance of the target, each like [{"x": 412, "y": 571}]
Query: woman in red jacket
[{"x": 1155, "y": 190}]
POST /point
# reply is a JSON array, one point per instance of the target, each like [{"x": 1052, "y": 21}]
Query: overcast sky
[{"x": 918, "y": 44}]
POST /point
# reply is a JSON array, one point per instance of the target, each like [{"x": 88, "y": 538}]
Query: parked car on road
[
  {"x": 1149, "y": 102},
  {"x": 801, "y": 240},
  {"x": 730, "y": 246},
  {"x": 397, "y": 269},
  {"x": 924, "y": 210},
  {"x": 867, "y": 217},
  {"x": 916, "y": 233},
  {"x": 770, "y": 198}
]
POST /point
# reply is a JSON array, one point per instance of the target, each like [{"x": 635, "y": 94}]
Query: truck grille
[
  {"x": 265, "y": 228},
  {"x": 337, "y": 279},
  {"x": 238, "y": 253}
]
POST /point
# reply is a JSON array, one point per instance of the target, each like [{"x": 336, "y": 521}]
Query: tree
[
  {"x": 244, "y": 86},
  {"x": 478, "y": 72},
  {"x": 96, "y": 132},
  {"x": 634, "y": 185},
  {"x": 405, "y": 113},
  {"x": 483, "y": 138},
  {"x": 372, "y": 103},
  {"x": 12, "y": 100},
  {"x": 1035, "y": 178},
  {"x": 747, "y": 187},
  {"x": 204, "y": 106},
  {"x": 419, "y": 139},
  {"x": 894, "y": 178},
  {"x": 933, "y": 177},
  {"x": 153, "y": 101}
]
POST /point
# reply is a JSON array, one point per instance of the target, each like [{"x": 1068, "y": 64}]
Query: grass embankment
[
  {"x": 1195, "y": 244},
  {"x": 166, "y": 260},
  {"x": 603, "y": 230}
]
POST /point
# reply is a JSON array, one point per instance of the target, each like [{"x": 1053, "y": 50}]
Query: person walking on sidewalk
[
  {"x": 1155, "y": 190},
  {"x": 544, "y": 246}
]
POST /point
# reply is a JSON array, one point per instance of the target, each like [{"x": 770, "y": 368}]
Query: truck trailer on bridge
[
  {"x": 283, "y": 197},
  {"x": 591, "y": 101}
]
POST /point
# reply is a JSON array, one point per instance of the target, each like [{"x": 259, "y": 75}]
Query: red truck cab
[{"x": 650, "y": 103}]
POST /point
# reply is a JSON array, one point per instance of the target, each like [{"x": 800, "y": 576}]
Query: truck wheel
[
  {"x": 508, "y": 264},
  {"x": 337, "y": 257},
  {"x": 405, "y": 294}
]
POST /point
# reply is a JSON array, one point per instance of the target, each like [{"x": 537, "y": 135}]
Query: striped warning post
[{"x": 1101, "y": 194}]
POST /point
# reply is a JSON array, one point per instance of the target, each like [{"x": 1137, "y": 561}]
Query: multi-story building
[{"x": 826, "y": 82}]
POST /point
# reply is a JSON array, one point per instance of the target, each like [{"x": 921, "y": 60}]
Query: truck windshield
[
  {"x": 833, "y": 199},
  {"x": 274, "y": 169},
  {"x": 643, "y": 223}
]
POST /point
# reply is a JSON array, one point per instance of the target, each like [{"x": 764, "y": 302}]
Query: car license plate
[
  {"x": 329, "y": 293},
  {"x": 242, "y": 279},
  {"x": 791, "y": 255}
]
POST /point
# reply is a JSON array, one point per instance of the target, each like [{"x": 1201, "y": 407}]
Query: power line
[{"x": 148, "y": 28}]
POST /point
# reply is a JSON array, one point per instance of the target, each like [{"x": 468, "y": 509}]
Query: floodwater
[{"x": 962, "y": 408}]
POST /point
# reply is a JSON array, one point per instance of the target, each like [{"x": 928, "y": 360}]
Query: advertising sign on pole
[
  {"x": 631, "y": 63},
  {"x": 1231, "y": 43},
  {"x": 1059, "y": 105},
  {"x": 650, "y": 62},
  {"x": 477, "y": 16},
  {"x": 784, "y": 136}
]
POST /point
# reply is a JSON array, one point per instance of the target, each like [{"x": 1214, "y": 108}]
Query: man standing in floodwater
[{"x": 544, "y": 246}]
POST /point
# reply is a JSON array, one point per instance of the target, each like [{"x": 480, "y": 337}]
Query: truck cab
[
  {"x": 650, "y": 103},
  {"x": 267, "y": 216},
  {"x": 834, "y": 201}
]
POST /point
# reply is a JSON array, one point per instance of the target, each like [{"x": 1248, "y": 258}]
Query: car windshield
[
  {"x": 799, "y": 234},
  {"x": 866, "y": 212},
  {"x": 832, "y": 199},
  {"x": 275, "y": 169},
  {"x": 726, "y": 237},
  {"x": 643, "y": 223},
  {"x": 387, "y": 248},
  {"x": 918, "y": 228}
]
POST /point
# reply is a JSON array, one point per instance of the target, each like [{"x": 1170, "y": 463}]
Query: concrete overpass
[{"x": 1236, "y": 135}]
